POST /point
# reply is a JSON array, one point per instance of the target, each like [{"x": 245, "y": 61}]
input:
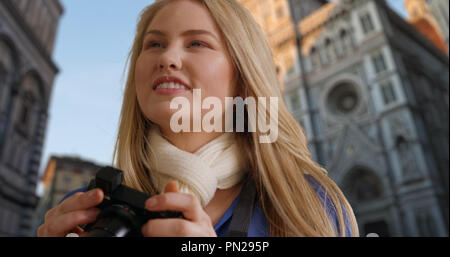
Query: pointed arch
[{"x": 361, "y": 184}]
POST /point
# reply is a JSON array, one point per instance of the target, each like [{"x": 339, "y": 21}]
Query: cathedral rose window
[{"x": 343, "y": 99}]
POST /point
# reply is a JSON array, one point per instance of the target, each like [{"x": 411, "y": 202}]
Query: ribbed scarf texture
[{"x": 220, "y": 164}]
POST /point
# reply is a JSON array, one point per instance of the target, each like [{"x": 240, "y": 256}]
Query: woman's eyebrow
[{"x": 186, "y": 33}]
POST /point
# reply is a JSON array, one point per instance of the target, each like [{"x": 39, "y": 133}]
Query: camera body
[{"x": 123, "y": 210}]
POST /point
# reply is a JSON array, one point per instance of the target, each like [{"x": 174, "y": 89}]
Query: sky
[
  {"x": 398, "y": 5},
  {"x": 93, "y": 41},
  {"x": 91, "y": 48}
]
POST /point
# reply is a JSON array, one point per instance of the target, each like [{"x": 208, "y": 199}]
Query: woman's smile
[{"x": 170, "y": 90}]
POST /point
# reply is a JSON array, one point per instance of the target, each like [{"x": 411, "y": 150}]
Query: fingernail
[
  {"x": 177, "y": 185},
  {"x": 151, "y": 203}
]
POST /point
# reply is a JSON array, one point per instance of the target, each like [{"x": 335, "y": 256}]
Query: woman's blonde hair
[{"x": 291, "y": 206}]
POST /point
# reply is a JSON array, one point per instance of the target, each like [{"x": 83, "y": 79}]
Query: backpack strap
[{"x": 240, "y": 221}]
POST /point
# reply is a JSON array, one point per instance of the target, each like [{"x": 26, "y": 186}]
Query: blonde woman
[{"x": 225, "y": 184}]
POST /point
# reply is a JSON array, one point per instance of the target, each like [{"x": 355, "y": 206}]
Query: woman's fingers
[
  {"x": 72, "y": 212},
  {"x": 172, "y": 186},
  {"x": 81, "y": 201},
  {"x": 185, "y": 203},
  {"x": 171, "y": 228},
  {"x": 196, "y": 222},
  {"x": 69, "y": 222}
]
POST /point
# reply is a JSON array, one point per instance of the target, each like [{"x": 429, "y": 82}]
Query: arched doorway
[
  {"x": 362, "y": 185},
  {"x": 363, "y": 188}
]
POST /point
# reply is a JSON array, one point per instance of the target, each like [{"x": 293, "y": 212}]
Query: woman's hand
[
  {"x": 197, "y": 223},
  {"x": 76, "y": 210}
]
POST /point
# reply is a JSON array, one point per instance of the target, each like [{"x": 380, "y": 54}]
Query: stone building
[
  {"x": 61, "y": 176},
  {"x": 371, "y": 92},
  {"x": 27, "y": 35},
  {"x": 274, "y": 19}
]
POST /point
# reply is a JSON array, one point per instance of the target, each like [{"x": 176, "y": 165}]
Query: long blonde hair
[{"x": 291, "y": 206}]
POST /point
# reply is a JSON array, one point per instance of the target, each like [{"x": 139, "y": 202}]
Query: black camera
[{"x": 123, "y": 210}]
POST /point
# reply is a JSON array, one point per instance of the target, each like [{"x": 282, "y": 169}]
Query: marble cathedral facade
[{"x": 372, "y": 93}]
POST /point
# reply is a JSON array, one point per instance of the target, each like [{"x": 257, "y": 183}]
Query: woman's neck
[
  {"x": 221, "y": 201},
  {"x": 189, "y": 141}
]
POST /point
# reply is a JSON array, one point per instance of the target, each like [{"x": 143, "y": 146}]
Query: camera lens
[{"x": 115, "y": 221}]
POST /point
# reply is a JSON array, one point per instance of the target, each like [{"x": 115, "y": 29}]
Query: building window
[
  {"x": 67, "y": 181},
  {"x": 367, "y": 24},
  {"x": 290, "y": 66},
  {"x": 329, "y": 50},
  {"x": 345, "y": 41},
  {"x": 295, "y": 101},
  {"x": 315, "y": 58},
  {"x": 379, "y": 63},
  {"x": 25, "y": 114},
  {"x": 343, "y": 99},
  {"x": 407, "y": 158},
  {"x": 388, "y": 93}
]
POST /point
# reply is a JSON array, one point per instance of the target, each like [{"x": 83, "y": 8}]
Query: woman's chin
[{"x": 163, "y": 118}]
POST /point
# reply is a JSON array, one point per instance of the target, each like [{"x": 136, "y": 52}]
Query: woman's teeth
[{"x": 171, "y": 86}]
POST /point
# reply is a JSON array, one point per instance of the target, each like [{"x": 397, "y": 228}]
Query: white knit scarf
[{"x": 220, "y": 164}]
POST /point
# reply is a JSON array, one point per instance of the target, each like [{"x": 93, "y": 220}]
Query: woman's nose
[{"x": 170, "y": 59}]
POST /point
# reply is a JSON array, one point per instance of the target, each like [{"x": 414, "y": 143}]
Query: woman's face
[{"x": 182, "y": 41}]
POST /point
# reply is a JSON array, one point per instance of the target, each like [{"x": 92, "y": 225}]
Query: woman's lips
[{"x": 171, "y": 91}]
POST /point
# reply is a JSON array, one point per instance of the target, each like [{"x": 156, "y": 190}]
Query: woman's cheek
[
  {"x": 216, "y": 73},
  {"x": 143, "y": 69},
  {"x": 142, "y": 78}
]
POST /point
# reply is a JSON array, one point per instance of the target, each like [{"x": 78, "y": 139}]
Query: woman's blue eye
[
  {"x": 156, "y": 44},
  {"x": 196, "y": 43},
  {"x": 153, "y": 44}
]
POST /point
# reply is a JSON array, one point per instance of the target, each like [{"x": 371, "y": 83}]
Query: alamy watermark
[{"x": 257, "y": 110}]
